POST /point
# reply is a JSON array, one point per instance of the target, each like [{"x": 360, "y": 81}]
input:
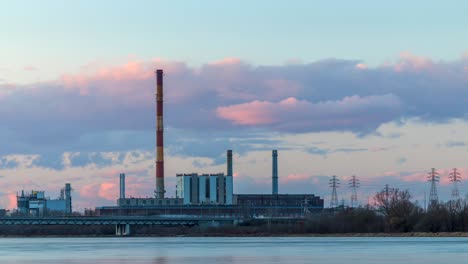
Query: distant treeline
[{"x": 393, "y": 212}]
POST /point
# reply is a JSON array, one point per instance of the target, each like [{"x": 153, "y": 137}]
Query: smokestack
[
  {"x": 229, "y": 184},
  {"x": 159, "y": 193},
  {"x": 122, "y": 185},
  {"x": 68, "y": 199},
  {"x": 229, "y": 163},
  {"x": 275, "y": 172}
]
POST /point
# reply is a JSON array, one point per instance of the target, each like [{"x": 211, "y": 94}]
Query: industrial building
[
  {"x": 212, "y": 195},
  {"x": 207, "y": 189},
  {"x": 36, "y": 203},
  {"x": 208, "y": 194},
  {"x": 212, "y": 189}
]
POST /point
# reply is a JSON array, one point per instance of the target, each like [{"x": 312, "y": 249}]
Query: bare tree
[{"x": 400, "y": 213}]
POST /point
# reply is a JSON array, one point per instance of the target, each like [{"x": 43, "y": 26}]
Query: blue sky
[
  {"x": 59, "y": 36},
  {"x": 364, "y": 88}
]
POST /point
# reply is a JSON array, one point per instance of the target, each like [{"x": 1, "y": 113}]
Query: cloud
[
  {"x": 410, "y": 62},
  {"x": 452, "y": 144},
  {"x": 294, "y": 177},
  {"x": 113, "y": 106},
  {"x": 293, "y": 115},
  {"x": 401, "y": 161},
  {"x": 30, "y": 68},
  {"x": 318, "y": 151}
]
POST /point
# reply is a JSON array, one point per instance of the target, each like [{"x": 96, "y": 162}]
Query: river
[{"x": 182, "y": 250}]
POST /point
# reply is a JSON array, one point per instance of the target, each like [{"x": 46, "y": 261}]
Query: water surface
[{"x": 328, "y": 250}]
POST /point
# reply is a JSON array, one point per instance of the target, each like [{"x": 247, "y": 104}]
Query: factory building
[
  {"x": 36, "y": 203},
  {"x": 205, "y": 189},
  {"x": 123, "y": 201}
]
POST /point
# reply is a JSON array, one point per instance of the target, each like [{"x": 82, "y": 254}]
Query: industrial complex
[
  {"x": 197, "y": 195},
  {"x": 37, "y": 204},
  {"x": 208, "y": 194}
]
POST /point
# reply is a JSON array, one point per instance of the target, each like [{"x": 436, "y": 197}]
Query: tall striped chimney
[
  {"x": 159, "y": 193},
  {"x": 275, "y": 172}
]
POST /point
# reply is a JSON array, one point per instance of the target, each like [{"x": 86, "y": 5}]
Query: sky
[{"x": 372, "y": 89}]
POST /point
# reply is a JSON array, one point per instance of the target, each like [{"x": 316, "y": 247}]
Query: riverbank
[{"x": 414, "y": 234}]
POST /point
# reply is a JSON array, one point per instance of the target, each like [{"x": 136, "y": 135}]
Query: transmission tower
[
  {"x": 334, "y": 183},
  {"x": 433, "y": 178},
  {"x": 455, "y": 178},
  {"x": 388, "y": 191},
  {"x": 353, "y": 184}
]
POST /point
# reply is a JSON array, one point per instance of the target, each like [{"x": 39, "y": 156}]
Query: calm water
[{"x": 233, "y": 250}]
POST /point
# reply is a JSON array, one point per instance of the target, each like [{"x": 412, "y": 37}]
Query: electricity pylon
[
  {"x": 334, "y": 183},
  {"x": 455, "y": 178},
  {"x": 433, "y": 178},
  {"x": 353, "y": 184}
]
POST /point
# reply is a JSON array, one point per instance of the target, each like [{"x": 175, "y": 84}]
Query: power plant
[
  {"x": 200, "y": 196},
  {"x": 208, "y": 194},
  {"x": 212, "y": 195}
]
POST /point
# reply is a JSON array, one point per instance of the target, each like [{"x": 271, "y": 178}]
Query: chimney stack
[
  {"x": 68, "y": 198},
  {"x": 159, "y": 193},
  {"x": 122, "y": 185},
  {"x": 229, "y": 181},
  {"x": 229, "y": 163},
  {"x": 275, "y": 172}
]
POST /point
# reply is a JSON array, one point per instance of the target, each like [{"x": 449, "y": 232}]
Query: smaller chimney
[
  {"x": 122, "y": 185},
  {"x": 275, "y": 172},
  {"x": 68, "y": 199},
  {"x": 229, "y": 163}
]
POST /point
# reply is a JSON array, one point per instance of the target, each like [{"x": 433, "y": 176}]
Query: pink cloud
[
  {"x": 294, "y": 177},
  {"x": 415, "y": 177},
  {"x": 253, "y": 113},
  {"x": 410, "y": 62},
  {"x": 11, "y": 201},
  {"x": 294, "y": 113},
  {"x": 30, "y": 68},
  {"x": 108, "y": 190},
  {"x": 361, "y": 66},
  {"x": 124, "y": 80},
  {"x": 227, "y": 61}
]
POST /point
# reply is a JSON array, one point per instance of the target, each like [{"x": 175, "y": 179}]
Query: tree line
[{"x": 393, "y": 212}]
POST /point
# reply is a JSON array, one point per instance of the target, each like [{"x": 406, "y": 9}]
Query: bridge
[{"x": 122, "y": 224}]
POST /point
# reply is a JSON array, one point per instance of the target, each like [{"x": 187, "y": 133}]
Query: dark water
[{"x": 233, "y": 250}]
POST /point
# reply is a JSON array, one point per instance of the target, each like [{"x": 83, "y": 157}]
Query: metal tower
[
  {"x": 433, "y": 178},
  {"x": 334, "y": 183},
  {"x": 388, "y": 191},
  {"x": 455, "y": 178},
  {"x": 353, "y": 184}
]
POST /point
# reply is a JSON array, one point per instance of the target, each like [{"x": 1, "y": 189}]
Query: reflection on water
[{"x": 233, "y": 250}]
